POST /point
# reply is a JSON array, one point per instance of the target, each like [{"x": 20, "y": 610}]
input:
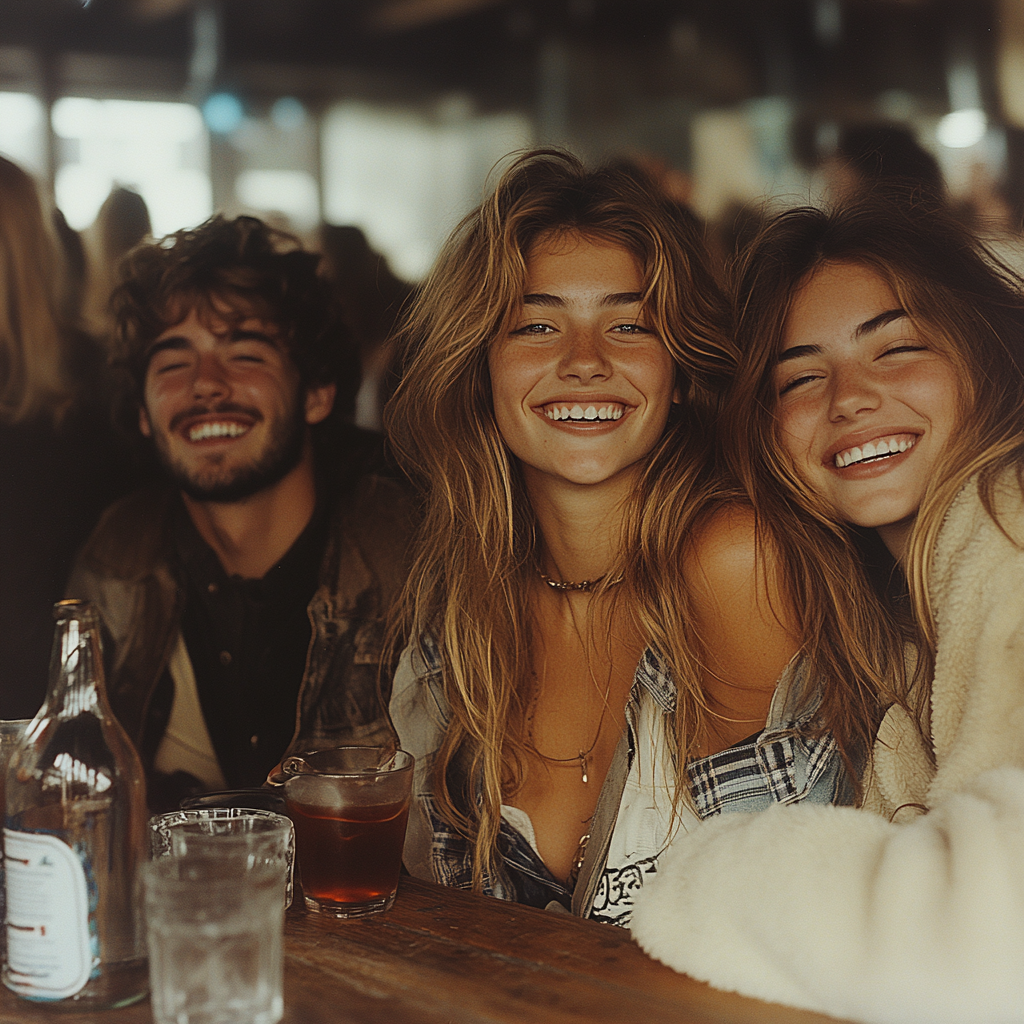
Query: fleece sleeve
[{"x": 840, "y": 911}]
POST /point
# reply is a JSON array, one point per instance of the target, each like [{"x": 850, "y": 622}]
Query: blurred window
[
  {"x": 407, "y": 178},
  {"x": 274, "y": 159},
  {"x": 22, "y": 124},
  {"x": 159, "y": 149},
  {"x": 292, "y": 193}
]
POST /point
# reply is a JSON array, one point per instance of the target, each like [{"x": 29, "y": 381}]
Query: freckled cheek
[
  {"x": 513, "y": 381},
  {"x": 937, "y": 398},
  {"x": 654, "y": 374}
]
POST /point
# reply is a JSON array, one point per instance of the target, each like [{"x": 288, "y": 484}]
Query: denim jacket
[{"x": 780, "y": 765}]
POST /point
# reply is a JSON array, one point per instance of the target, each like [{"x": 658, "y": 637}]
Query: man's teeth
[
  {"x": 581, "y": 415},
  {"x": 873, "y": 450},
  {"x": 202, "y": 431}
]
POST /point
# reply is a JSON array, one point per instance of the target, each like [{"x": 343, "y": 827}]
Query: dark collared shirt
[{"x": 248, "y": 641}]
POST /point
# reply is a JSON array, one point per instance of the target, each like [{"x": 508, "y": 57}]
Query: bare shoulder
[
  {"x": 734, "y": 581},
  {"x": 723, "y": 552}
]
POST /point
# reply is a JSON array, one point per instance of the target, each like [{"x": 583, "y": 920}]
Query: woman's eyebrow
[
  {"x": 542, "y": 299},
  {"x": 796, "y": 352},
  {"x": 621, "y": 299},
  {"x": 612, "y": 299},
  {"x": 882, "y": 320},
  {"x": 874, "y": 324}
]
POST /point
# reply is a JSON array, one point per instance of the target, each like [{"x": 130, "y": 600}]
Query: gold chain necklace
[
  {"x": 582, "y": 755},
  {"x": 583, "y": 585}
]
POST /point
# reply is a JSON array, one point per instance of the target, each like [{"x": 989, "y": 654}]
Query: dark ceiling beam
[
  {"x": 155, "y": 9},
  {"x": 404, "y": 15}
]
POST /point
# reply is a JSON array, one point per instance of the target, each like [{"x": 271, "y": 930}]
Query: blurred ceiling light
[
  {"x": 223, "y": 113},
  {"x": 962, "y": 128}
]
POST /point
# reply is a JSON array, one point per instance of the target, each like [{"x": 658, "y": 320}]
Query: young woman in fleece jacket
[{"x": 881, "y": 396}]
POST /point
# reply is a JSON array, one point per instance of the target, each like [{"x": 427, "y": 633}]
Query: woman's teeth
[
  {"x": 873, "y": 450},
  {"x": 202, "y": 431},
  {"x": 580, "y": 415}
]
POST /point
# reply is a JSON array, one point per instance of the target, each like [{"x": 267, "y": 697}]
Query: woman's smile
[
  {"x": 867, "y": 403},
  {"x": 582, "y": 386}
]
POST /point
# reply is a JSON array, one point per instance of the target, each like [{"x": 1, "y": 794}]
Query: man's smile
[{"x": 216, "y": 429}]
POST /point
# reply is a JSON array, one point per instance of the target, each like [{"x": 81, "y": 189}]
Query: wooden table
[{"x": 440, "y": 956}]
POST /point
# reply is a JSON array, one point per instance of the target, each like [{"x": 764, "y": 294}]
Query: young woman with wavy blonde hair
[
  {"x": 596, "y": 638},
  {"x": 881, "y": 390}
]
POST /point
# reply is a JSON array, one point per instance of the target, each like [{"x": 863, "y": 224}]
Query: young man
[{"x": 245, "y": 594}]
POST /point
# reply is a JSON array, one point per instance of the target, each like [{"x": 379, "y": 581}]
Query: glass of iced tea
[{"x": 349, "y": 806}]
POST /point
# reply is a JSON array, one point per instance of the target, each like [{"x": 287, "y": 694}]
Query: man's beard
[{"x": 226, "y": 484}]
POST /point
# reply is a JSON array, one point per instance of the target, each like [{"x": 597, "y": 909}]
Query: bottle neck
[{"x": 76, "y": 668}]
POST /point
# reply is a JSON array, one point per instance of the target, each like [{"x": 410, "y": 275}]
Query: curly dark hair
[{"x": 249, "y": 268}]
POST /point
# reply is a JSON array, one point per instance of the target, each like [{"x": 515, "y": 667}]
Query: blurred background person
[
  {"x": 371, "y": 298},
  {"x": 76, "y": 270},
  {"x": 881, "y": 156},
  {"x": 122, "y": 222},
  {"x": 60, "y": 460}
]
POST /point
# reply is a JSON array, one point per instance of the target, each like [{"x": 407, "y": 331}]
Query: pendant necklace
[
  {"x": 564, "y": 586},
  {"x": 583, "y": 754}
]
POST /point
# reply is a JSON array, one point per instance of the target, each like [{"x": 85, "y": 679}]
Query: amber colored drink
[{"x": 350, "y": 855}]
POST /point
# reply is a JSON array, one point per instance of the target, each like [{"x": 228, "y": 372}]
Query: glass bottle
[{"x": 75, "y": 837}]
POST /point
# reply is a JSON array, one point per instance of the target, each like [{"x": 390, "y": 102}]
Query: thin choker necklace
[{"x": 583, "y": 585}]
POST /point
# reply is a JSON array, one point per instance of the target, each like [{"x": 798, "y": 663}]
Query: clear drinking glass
[
  {"x": 215, "y": 918},
  {"x": 260, "y": 834},
  {"x": 350, "y": 807}
]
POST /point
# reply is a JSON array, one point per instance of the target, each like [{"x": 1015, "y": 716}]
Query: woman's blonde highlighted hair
[
  {"x": 971, "y": 307},
  {"x": 33, "y": 377},
  {"x": 477, "y": 551}
]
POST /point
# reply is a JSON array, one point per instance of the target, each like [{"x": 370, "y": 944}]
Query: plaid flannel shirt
[{"x": 785, "y": 763}]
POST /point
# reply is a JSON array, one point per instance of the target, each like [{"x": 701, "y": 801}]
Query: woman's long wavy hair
[
  {"x": 477, "y": 554},
  {"x": 971, "y": 307},
  {"x": 33, "y": 377}
]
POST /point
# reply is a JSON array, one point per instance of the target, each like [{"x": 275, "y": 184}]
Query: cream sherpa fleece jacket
[{"x": 915, "y": 919}]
